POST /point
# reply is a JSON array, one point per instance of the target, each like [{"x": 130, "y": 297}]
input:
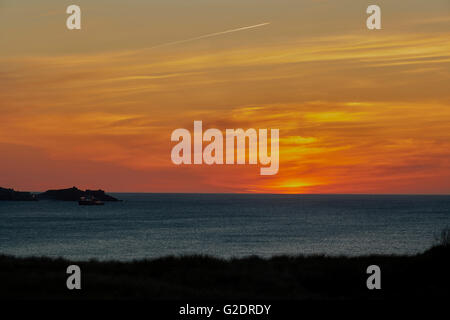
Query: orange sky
[{"x": 359, "y": 111}]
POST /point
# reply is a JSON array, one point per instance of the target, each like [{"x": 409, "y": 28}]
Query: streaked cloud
[{"x": 357, "y": 111}]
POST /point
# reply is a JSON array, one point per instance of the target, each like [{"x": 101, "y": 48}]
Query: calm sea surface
[{"x": 154, "y": 225}]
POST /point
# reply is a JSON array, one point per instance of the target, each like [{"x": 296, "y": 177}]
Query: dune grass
[{"x": 423, "y": 275}]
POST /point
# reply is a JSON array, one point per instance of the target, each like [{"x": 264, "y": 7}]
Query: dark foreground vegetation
[{"x": 423, "y": 276}]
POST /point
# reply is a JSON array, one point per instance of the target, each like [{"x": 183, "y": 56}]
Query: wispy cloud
[{"x": 344, "y": 127}]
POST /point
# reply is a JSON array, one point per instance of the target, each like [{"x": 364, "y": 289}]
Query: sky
[{"x": 359, "y": 111}]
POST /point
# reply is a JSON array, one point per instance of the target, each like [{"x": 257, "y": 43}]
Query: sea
[{"x": 223, "y": 225}]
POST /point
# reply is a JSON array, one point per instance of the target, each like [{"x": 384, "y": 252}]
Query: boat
[{"x": 90, "y": 202}]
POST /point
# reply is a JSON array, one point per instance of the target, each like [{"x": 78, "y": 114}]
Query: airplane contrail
[{"x": 211, "y": 35}]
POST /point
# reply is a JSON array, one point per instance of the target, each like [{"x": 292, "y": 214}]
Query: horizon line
[
  {"x": 262, "y": 193},
  {"x": 237, "y": 193}
]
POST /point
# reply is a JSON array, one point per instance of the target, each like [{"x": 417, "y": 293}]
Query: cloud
[{"x": 343, "y": 126}]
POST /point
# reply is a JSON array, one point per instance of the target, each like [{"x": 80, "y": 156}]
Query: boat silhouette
[{"x": 85, "y": 201}]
